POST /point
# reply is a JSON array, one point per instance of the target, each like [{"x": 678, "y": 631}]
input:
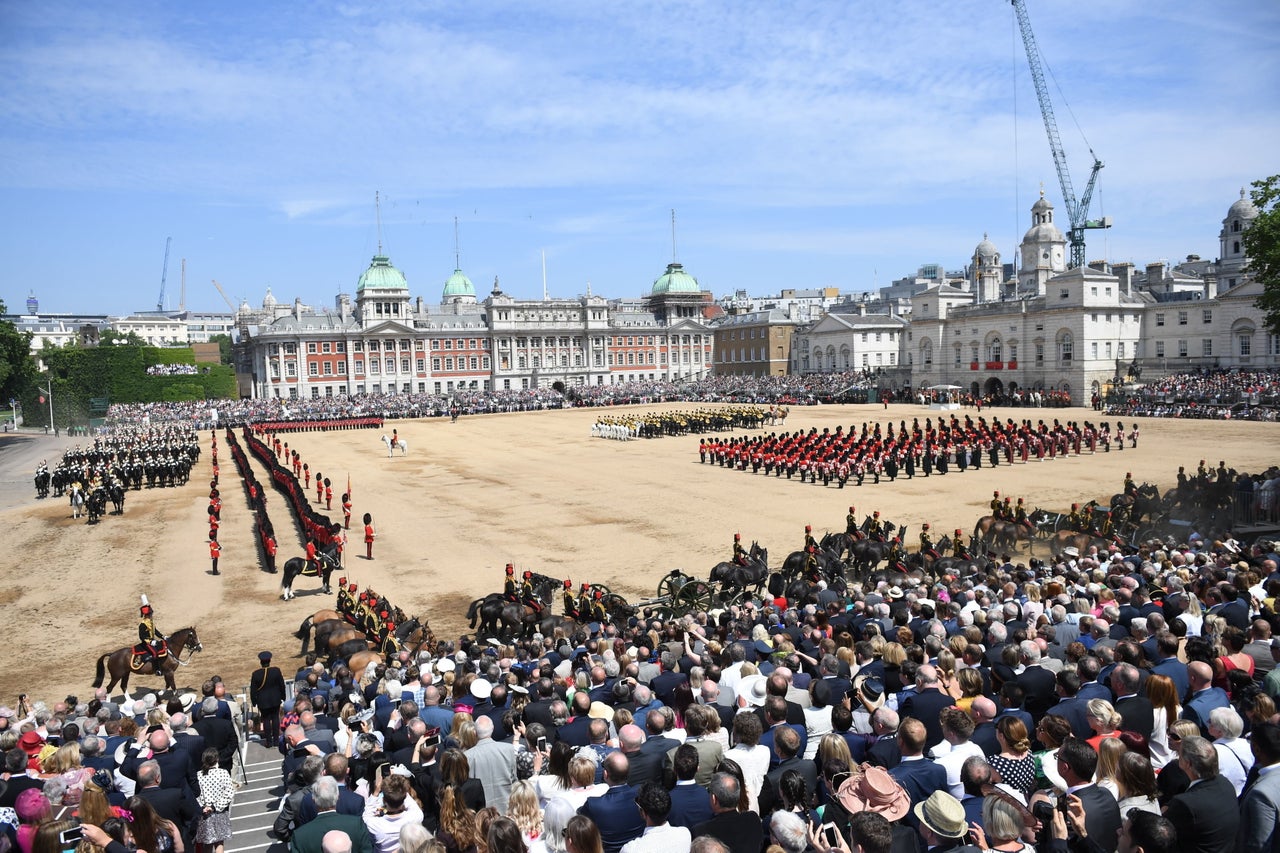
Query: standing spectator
[
  {"x": 1260, "y": 807},
  {"x": 388, "y": 810},
  {"x": 309, "y": 838},
  {"x": 734, "y": 829},
  {"x": 1204, "y": 696},
  {"x": 659, "y": 836},
  {"x": 266, "y": 691},
  {"x": 216, "y": 792},
  {"x": 614, "y": 811},
  {"x": 1204, "y": 815},
  {"x": 917, "y": 774},
  {"x": 493, "y": 763},
  {"x": 1165, "y": 708},
  {"x": 1015, "y": 763},
  {"x": 1234, "y": 758}
]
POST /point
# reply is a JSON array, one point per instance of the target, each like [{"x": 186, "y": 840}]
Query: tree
[
  {"x": 1262, "y": 245},
  {"x": 224, "y": 347},
  {"x": 17, "y": 367},
  {"x": 110, "y": 337}
]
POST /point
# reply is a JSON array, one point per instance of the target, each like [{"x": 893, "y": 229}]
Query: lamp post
[{"x": 49, "y": 391}]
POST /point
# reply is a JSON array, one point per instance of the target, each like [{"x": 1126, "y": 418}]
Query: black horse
[
  {"x": 741, "y": 578},
  {"x": 42, "y": 483},
  {"x": 294, "y": 567},
  {"x": 96, "y": 504},
  {"x": 116, "y": 493},
  {"x": 496, "y": 615}
]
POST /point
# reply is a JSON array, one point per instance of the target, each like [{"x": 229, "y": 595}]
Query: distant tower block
[{"x": 33, "y": 304}]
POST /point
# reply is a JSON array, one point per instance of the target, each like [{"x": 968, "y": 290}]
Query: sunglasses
[{"x": 1174, "y": 736}]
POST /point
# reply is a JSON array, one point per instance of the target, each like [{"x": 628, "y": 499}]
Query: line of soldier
[
  {"x": 586, "y": 606},
  {"x": 160, "y": 455},
  {"x": 658, "y": 424},
  {"x": 371, "y": 613},
  {"x": 840, "y": 456}
]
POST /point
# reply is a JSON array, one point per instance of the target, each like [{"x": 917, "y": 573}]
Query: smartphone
[
  {"x": 831, "y": 834},
  {"x": 542, "y": 744},
  {"x": 70, "y": 837}
]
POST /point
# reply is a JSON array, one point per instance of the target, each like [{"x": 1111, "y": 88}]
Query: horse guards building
[{"x": 992, "y": 328}]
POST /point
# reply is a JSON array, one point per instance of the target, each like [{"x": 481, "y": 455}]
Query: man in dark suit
[
  {"x": 1090, "y": 688},
  {"x": 614, "y": 811},
  {"x": 775, "y": 710},
  {"x": 172, "y": 804},
  {"x": 690, "y": 803},
  {"x": 1137, "y": 711},
  {"x": 645, "y": 755},
  {"x": 175, "y": 765},
  {"x": 1167, "y": 664},
  {"x": 266, "y": 692},
  {"x": 539, "y": 710},
  {"x": 776, "y": 685},
  {"x": 786, "y": 747},
  {"x": 736, "y": 830},
  {"x": 1039, "y": 690},
  {"x": 349, "y": 802},
  {"x": 664, "y": 685},
  {"x": 298, "y": 748},
  {"x": 190, "y": 742},
  {"x": 1071, "y": 706},
  {"x": 927, "y": 705},
  {"x": 884, "y": 751},
  {"x": 218, "y": 733},
  {"x": 577, "y": 732},
  {"x": 1205, "y": 815},
  {"x": 310, "y": 837},
  {"x": 917, "y": 775},
  {"x": 1077, "y": 762},
  {"x": 1204, "y": 696},
  {"x": 983, "y": 711}
]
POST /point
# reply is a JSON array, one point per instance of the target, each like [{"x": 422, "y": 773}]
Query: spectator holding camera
[{"x": 1076, "y": 763}]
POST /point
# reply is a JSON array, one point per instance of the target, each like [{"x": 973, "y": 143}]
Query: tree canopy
[
  {"x": 17, "y": 367},
  {"x": 1262, "y": 245}
]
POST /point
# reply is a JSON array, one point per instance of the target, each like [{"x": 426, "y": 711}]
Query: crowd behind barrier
[
  {"x": 916, "y": 712},
  {"x": 1206, "y": 395},
  {"x": 172, "y": 370}
]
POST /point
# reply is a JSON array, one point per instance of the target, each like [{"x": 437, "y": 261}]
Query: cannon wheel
[
  {"x": 730, "y": 598},
  {"x": 694, "y": 595},
  {"x": 672, "y": 583}
]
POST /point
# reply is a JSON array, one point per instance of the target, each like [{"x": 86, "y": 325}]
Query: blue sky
[{"x": 801, "y": 144}]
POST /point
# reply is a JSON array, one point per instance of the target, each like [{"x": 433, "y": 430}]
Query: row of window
[
  {"x": 564, "y": 341},
  {"x": 1183, "y": 317}
]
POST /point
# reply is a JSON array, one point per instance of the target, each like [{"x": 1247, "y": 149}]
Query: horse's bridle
[{"x": 197, "y": 647}]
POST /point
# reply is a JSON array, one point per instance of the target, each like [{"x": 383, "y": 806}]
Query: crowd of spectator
[
  {"x": 1206, "y": 395},
  {"x": 1137, "y": 690},
  {"x": 172, "y": 370}
]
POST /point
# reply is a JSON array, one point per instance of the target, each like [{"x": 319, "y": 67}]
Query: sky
[{"x": 800, "y": 144}]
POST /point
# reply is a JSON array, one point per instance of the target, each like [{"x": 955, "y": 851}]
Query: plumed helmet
[
  {"x": 351, "y": 588},
  {"x": 1075, "y": 506},
  {"x": 959, "y": 532},
  {"x": 598, "y": 594},
  {"x": 527, "y": 574},
  {"x": 145, "y": 610},
  {"x": 925, "y": 526},
  {"x": 808, "y": 528},
  {"x": 737, "y": 537},
  {"x": 568, "y": 584},
  {"x": 585, "y": 585},
  {"x": 876, "y": 514}
]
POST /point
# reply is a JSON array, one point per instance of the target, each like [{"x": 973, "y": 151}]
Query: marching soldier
[
  {"x": 926, "y": 542},
  {"x": 368, "y": 536},
  {"x": 509, "y": 589},
  {"x": 306, "y": 473},
  {"x": 152, "y": 643},
  {"x": 739, "y": 553},
  {"x": 328, "y": 494}
]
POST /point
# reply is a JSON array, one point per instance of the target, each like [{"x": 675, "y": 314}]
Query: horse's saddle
[{"x": 143, "y": 656}]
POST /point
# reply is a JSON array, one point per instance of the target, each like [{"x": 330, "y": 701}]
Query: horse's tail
[
  {"x": 472, "y": 611},
  {"x": 101, "y": 673},
  {"x": 304, "y": 633}
]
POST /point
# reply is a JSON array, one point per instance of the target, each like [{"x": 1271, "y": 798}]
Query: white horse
[
  {"x": 77, "y": 501},
  {"x": 393, "y": 444}
]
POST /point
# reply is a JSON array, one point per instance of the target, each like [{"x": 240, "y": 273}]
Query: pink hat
[{"x": 875, "y": 791}]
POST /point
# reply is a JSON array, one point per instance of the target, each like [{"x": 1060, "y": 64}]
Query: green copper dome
[
  {"x": 459, "y": 285},
  {"x": 676, "y": 280},
  {"x": 381, "y": 275}
]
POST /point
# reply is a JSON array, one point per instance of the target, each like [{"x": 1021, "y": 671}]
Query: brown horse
[
  {"x": 118, "y": 663},
  {"x": 1082, "y": 542}
]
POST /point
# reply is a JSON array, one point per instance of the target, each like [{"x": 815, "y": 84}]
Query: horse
[
  {"x": 1005, "y": 535},
  {"x": 76, "y": 499},
  {"x": 738, "y": 577},
  {"x": 839, "y": 543},
  {"x": 120, "y": 662},
  {"x": 496, "y": 615},
  {"x": 1082, "y": 542},
  {"x": 828, "y": 563},
  {"x": 297, "y": 566},
  {"x": 313, "y": 622},
  {"x": 116, "y": 492},
  {"x": 96, "y": 503},
  {"x": 1146, "y": 503},
  {"x": 42, "y": 483},
  {"x": 393, "y": 443}
]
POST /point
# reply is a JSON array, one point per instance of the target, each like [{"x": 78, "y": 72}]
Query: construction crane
[
  {"x": 164, "y": 273},
  {"x": 225, "y": 298},
  {"x": 1077, "y": 211}
]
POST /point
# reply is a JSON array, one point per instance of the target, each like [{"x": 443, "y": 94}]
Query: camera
[
  {"x": 70, "y": 837},
  {"x": 1043, "y": 811}
]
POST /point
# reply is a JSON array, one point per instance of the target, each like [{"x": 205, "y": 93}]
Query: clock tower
[{"x": 1043, "y": 250}]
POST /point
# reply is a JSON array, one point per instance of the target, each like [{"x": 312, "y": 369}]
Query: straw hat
[
  {"x": 752, "y": 688},
  {"x": 872, "y": 689},
  {"x": 943, "y": 814},
  {"x": 876, "y": 791}
]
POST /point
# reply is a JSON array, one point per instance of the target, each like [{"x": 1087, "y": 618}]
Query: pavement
[{"x": 256, "y": 803}]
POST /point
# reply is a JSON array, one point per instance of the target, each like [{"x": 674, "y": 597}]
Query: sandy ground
[{"x": 532, "y": 488}]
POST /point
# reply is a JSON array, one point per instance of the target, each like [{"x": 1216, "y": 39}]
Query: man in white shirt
[
  {"x": 1234, "y": 755},
  {"x": 957, "y": 728},
  {"x": 659, "y": 836}
]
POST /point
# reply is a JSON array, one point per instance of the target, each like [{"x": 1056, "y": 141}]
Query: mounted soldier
[
  {"x": 996, "y": 506},
  {"x": 958, "y": 549},
  {"x": 1075, "y": 520},
  {"x": 851, "y": 523},
  {"x": 1130, "y": 487},
  {"x": 1020, "y": 516},
  {"x": 739, "y": 553},
  {"x": 926, "y": 542},
  {"x": 875, "y": 531},
  {"x": 528, "y": 597},
  {"x": 151, "y": 647},
  {"x": 598, "y": 613},
  {"x": 584, "y": 599},
  {"x": 810, "y": 552},
  {"x": 571, "y": 610},
  {"x": 509, "y": 589}
]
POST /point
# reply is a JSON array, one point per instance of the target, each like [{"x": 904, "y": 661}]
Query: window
[
  {"x": 1064, "y": 294},
  {"x": 1120, "y": 350},
  {"x": 1206, "y": 347},
  {"x": 342, "y": 368},
  {"x": 311, "y": 347},
  {"x": 1208, "y": 315},
  {"x": 328, "y": 368},
  {"x": 1039, "y": 353},
  {"x": 1066, "y": 348},
  {"x": 448, "y": 364},
  {"x": 404, "y": 365},
  {"x": 435, "y": 365},
  {"x": 1093, "y": 349},
  {"x": 1159, "y": 349},
  {"x": 359, "y": 367},
  {"x": 1182, "y": 318},
  {"x": 373, "y": 346},
  {"x": 421, "y": 365},
  {"x": 473, "y": 362},
  {"x": 391, "y": 365},
  {"x": 340, "y": 346},
  {"x": 374, "y": 364},
  {"x": 1182, "y": 349},
  {"x": 290, "y": 349},
  {"x": 1159, "y": 318},
  {"x": 435, "y": 344},
  {"x": 484, "y": 362},
  {"x": 448, "y": 344},
  {"x": 1246, "y": 344},
  {"x": 313, "y": 369}
]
